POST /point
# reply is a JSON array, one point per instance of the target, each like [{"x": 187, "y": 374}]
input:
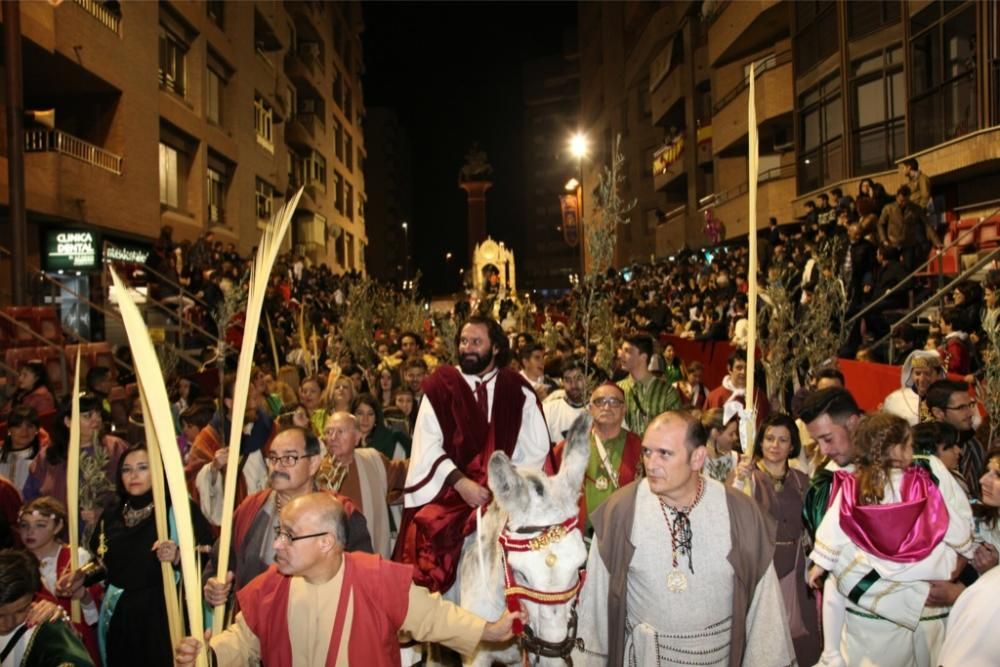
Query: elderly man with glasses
[
  {"x": 293, "y": 462},
  {"x": 364, "y": 475},
  {"x": 318, "y": 605},
  {"x": 615, "y": 452}
]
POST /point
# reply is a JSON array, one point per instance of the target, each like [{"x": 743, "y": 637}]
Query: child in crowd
[
  {"x": 41, "y": 524},
  {"x": 888, "y": 532}
]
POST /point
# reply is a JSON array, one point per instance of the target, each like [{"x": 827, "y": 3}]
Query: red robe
[
  {"x": 381, "y": 599},
  {"x": 87, "y": 633},
  {"x": 247, "y": 511},
  {"x": 431, "y": 536}
]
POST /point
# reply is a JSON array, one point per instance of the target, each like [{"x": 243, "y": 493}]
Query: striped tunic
[{"x": 644, "y": 401}]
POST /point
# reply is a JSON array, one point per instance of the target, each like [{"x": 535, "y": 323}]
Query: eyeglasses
[
  {"x": 281, "y": 535},
  {"x": 965, "y": 406},
  {"x": 607, "y": 402},
  {"x": 287, "y": 460}
]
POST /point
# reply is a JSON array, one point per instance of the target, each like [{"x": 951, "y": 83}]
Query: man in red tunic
[
  {"x": 318, "y": 605},
  {"x": 467, "y": 413},
  {"x": 293, "y": 462}
]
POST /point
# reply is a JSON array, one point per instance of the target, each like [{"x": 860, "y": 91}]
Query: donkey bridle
[{"x": 514, "y": 593}]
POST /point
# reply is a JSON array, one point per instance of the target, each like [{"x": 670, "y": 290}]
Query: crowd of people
[{"x": 826, "y": 536}]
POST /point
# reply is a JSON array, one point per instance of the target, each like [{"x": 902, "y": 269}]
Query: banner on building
[{"x": 570, "y": 218}]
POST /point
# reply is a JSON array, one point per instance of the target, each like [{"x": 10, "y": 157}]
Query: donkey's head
[{"x": 549, "y": 557}]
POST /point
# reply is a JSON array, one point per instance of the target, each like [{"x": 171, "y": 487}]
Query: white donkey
[{"x": 530, "y": 551}]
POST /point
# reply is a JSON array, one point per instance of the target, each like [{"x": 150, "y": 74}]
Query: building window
[
  {"x": 338, "y": 139},
  {"x": 942, "y": 73},
  {"x": 338, "y": 192},
  {"x": 878, "y": 108},
  {"x": 216, "y": 189},
  {"x": 214, "y": 84},
  {"x": 338, "y": 89},
  {"x": 169, "y": 176},
  {"x": 349, "y": 250},
  {"x": 173, "y": 53},
  {"x": 349, "y": 201},
  {"x": 816, "y": 34},
  {"x": 349, "y": 104},
  {"x": 316, "y": 169},
  {"x": 296, "y": 170},
  {"x": 216, "y": 11},
  {"x": 265, "y": 196},
  {"x": 821, "y": 129},
  {"x": 864, "y": 18},
  {"x": 263, "y": 119},
  {"x": 349, "y": 151}
]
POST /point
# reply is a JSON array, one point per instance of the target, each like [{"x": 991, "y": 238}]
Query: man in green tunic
[
  {"x": 44, "y": 645},
  {"x": 646, "y": 395}
]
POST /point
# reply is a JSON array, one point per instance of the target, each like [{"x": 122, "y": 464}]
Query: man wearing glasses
[
  {"x": 292, "y": 462},
  {"x": 615, "y": 452},
  {"x": 318, "y": 605},
  {"x": 949, "y": 402}
]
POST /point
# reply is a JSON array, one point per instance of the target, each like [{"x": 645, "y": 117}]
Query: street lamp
[
  {"x": 578, "y": 148},
  {"x": 406, "y": 250}
]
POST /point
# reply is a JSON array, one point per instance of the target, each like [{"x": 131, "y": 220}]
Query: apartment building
[
  {"x": 551, "y": 117},
  {"x": 202, "y": 116},
  {"x": 844, "y": 91}
]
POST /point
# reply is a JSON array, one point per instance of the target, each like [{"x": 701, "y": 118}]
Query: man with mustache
[
  {"x": 467, "y": 413},
  {"x": 293, "y": 462}
]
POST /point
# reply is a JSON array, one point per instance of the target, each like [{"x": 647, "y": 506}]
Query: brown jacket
[
  {"x": 905, "y": 225},
  {"x": 752, "y": 552}
]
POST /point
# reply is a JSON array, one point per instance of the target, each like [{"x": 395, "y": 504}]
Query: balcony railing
[
  {"x": 766, "y": 65},
  {"x": 672, "y": 151},
  {"x": 56, "y": 141},
  {"x": 719, "y": 198},
  {"x": 99, "y": 10}
]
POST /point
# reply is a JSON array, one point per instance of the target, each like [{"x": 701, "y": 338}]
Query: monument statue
[{"x": 476, "y": 167}]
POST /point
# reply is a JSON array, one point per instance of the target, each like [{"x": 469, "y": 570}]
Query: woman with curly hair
[{"x": 895, "y": 524}]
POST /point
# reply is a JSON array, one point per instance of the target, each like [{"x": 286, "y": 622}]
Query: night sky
[{"x": 452, "y": 71}]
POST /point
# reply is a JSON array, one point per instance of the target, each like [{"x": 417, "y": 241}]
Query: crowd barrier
[{"x": 868, "y": 382}]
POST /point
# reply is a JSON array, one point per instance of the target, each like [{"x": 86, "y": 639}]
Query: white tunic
[
  {"x": 211, "y": 485},
  {"x": 559, "y": 414},
  {"x": 972, "y": 639},
  {"x": 690, "y": 627},
  {"x": 428, "y": 442}
]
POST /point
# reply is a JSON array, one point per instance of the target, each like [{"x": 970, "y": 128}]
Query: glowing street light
[
  {"x": 572, "y": 184},
  {"x": 578, "y": 145}
]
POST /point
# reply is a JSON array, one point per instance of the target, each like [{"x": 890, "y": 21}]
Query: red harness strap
[{"x": 515, "y": 593}]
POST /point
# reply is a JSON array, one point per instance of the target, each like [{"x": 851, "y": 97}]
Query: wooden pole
[
  {"x": 175, "y": 621},
  {"x": 752, "y": 150},
  {"x": 149, "y": 373},
  {"x": 73, "y": 484},
  {"x": 260, "y": 272}
]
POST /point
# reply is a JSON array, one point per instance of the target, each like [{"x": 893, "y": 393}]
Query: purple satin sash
[{"x": 903, "y": 532}]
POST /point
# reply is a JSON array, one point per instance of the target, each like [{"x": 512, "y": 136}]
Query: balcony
[
  {"x": 743, "y": 27},
  {"x": 775, "y": 192},
  {"x": 774, "y": 101},
  {"x": 57, "y": 141},
  {"x": 668, "y": 161},
  {"x": 99, "y": 10},
  {"x": 300, "y": 132},
  {"x": 669, "y": 90}
]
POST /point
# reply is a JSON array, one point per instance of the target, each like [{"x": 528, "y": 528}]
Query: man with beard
[
  {"x": 563, "y": 406},
  {"x": 293, "y": 461},
  {"x": 206, "y": 463},
  {"x": 468, "y": 413}
]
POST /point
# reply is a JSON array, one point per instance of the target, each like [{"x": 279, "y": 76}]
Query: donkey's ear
[
  {"x": 509, "y": 488},
  {"x": 576, "y": 454}
]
